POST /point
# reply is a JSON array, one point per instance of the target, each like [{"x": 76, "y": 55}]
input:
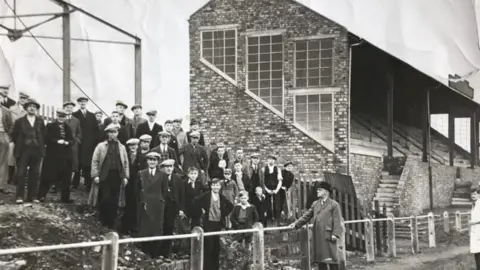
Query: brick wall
[
  {"x": 366, "y": 171},
  {"x": 231, "y": 116},
  {"x": 414, "y": 191},
  {"x": 470, "y": 175}
]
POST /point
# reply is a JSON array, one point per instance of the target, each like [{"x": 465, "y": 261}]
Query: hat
[
  {"x": 227, "y": 170},
  {"x": 177, "y": 120},
  {"x": 288, "y": 163},
  {"x": 152, "y": 112},
  {"x": 193, "y": 122},
  {"x": 272, "y": 157},
  {"x": 23, "y": 95},
  {"x": 164, "y": 133},
  {"x": 121, "y": 103},
  {"x": 168, "y": 162},
  {"x": 31, "y": 101},
  {"x": 99, "y": 112},
  {"x": 61, "y": 113},
  {"x": 112, "y": 127},
  {"x": 152, "y": 155},
  {"x": 145, "y": 138},
  {"x": 195, "y": 134},
  {"x": 137, "y": 106},
  {"x": 4, "y": 86},
  {"x": 133, "y": 141},
  {"x": 68, "y": 103},
  {"x": 322, "y": 185},
  {"x": 82, "y": 99},
  {"x": 168, "y": 122},
  {"x": 255, "y": 155}
]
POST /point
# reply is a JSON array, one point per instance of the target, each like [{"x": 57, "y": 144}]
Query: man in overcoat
[
  {"x": 5, "y": 101},
  {"x": 151, "y": 128},
  {"x": 123, "y": 120},
  {"x": 165, "y": 151},
  {"x": 172, "y": 142},
  {"x": 216, "y": 155},
  {"x": 6, "y": 126},
  {"x": 195, "y": 126},
  {"x": 195, "y": 155},
  {"x": 254, "y": 172},
  {"x": 137, "y": 117},
  {"x": 74, "y": 124},
  {"x": 28, "y": 136},
  {"x": 17, "y": 112},
  {"x": 90, "y": 133},
  {"x": 327, "y": 227},
  {"x": 57, "y": 165}
]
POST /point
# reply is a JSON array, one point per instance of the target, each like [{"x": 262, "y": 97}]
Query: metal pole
[
  {"x": 66, "y": 54},
  {"x": 77, "y": 39},
  {"x": 138, "y": 72},
  {"x": 429, "y": 145},
  {"x": 15, "y": 14},
  {"x": 29, "y": 15}
]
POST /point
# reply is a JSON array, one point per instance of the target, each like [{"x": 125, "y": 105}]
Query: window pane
[
  {"x": 326, "y": 125},
  {"x": 301, "y": 83},
  {"x": 277, "y": 65},
  {"x": 326, "y": 107},
  {"x": 301, "y": 46},
  {"x": 230, "y": 34},
  {"x": 218, "y": 52},
  {"x": 264, "y": 92},
  {"x": 313, "y": 82},
  {"x": 326, "y": 81},
  {"x": 207, "y": 44},
  {"x": 315, "y": 108},
  {"x": 277, "y": 57},
  {"x": 253, "y": 49},
  {"x": 277, "y": 102},
  {"x": 218, "y": 60},
  {"x": 276, "y": 74},
  {"x": 277, "y": 83},
  {"x": 301, "y": 73},
  {"x": 300, "y": 107},
  {"x": 277, "y": 48},
  {"x": 265, "y": 66},
  {"x": 252, "y": 84},
  {"x": 326, "y": 63},
  {"x": 326, "y": 72},
  {"x": 326, "y": 98},
  {"x": 265, "y": 48},
  {"x": 278, "y": 107},
  {"x": 326, "y": 116},
  {"x": 327, "y": 43},
  {"x": 264, "y": 75},
  {"x": 313, "y": 116},
  {"x": 230, "y": 60},
  {"x": 230, "y": 68},
  {"x": 265, "y": 84},
  {"x": 253, "y": 58},
  {"x": 230, "y": 43},
  {"x": 265, "y": 40},
  {"x": 253, "y": 75},
  {"x": 207, "y": 52},
  {"x": 301, "y": 64},
  {"x": 209, "y": 59},
  {"x": 313, "y": 64},
  {"x": 207, "y": 35},
  {"x": 230, "y": 51},
  {"x": 277, "y": 92},
  {"x": 327, "y": 53},
  {"x": 218, "y": 43},
  {"x": 277, "y": 39},
  {"x": 314, "y": 45},
  {"x": 266, "y": 99},
  {"x": 313, "y": 54},
  {"x": 252, "y": 67},
  {"x": 218, "y": 34},
  {"x": 265, "y": 57},
  {"x": 301, "y": 99},
  {"x": 313, "y": 72},
  {"x": 252, "y": 40},
  {"x": 301, "y": 117},
  {"x": 326, "y": 135},
  {"x": 313, "y": 98},
  {"x": 301, "y": 55},
  {"x": 313, "y": 126}
]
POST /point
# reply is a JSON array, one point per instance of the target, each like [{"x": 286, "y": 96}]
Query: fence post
[
  {"x": 110, "y": 252},
  {"x": 446, "y": 222},
  {"x": 305, "y": 247},
  {"x": 458, "y": 221},
  {"x": 258, "y": 247},
  {"x": 431, "y": 230},
  {"x": 196, "y": 250},
  {"x": 392, "y": 245},
  {"x": 342, "y": 248},
  {"x": 414, "y": 234},
  {"x": 378, "y": 233},
  {"x": 369, "y": 242}
]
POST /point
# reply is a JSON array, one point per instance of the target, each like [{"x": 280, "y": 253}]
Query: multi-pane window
[
  {"x": 265, "y": 69},
  {"x": 315, "y": 114},
  {"x": 314, "y": 63},
  {"x": 219, "y": 49}
]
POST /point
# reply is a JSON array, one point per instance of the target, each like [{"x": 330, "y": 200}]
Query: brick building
[{"x": 272, "y": 76}]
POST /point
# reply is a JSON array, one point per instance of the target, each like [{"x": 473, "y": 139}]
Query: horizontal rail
[
  {"x": 32, "y": 15},
  {"x": 156, "y": 238},
  {"x": 54, "y": 247},
  {"x": 76, "y": 39}
]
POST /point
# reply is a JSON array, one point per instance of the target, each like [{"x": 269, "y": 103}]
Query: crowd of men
[{"x": 159, "y": 175}]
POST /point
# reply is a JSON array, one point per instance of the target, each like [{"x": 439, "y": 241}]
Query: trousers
[
  {"x": 4, "y": 149},
  {"x": 30, "y": 159}
]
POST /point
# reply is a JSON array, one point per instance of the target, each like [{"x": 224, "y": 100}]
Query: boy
[
  {"x": 242, "y": 180},
  {"x": 145, "y": 141},
  {"x": 258, "y": 200},
  {"x": 229, "y": 190},
  {"x": 193, "y": 189},
  {"x": 243, "y": 216}
]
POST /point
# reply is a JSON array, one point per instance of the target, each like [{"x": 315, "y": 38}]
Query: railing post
[
  {"x": 370, "y": 240},
  {"x": 305, "y": 247},
  {"x": 431, "y": 230},
  {"x": 458, "y": 221},
  {"x": 110, "y": 252},
  {"x": 196, "y": 252},
  {"x": 446, "y": 222},
  {"x": 342, "y": 248},
  {"x": 392, "y": 245},
  {"x": 258, "y": 247},
  {"x": 414, "y": 234}
]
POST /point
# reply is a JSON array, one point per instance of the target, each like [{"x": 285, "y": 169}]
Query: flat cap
[
  {"x": 168, "y": 122},
  {"x": 61, "y": 113},
  {"x": 195, "y": 134},
  {"x": 145, "y": 138},
  {"x": 31, "y": 101},
  {"x": 194, "y": 122},
  {"x": 153, "y": 155},
  {"x": 152, "y": 112},
  {"x": 164, "y": 133},
  {"x": 272, "y": 157},
  {"x": 68, "y": 103},
  {"x": 255, "y": 155},
  {"x": 177, "y": 120},
  {"x": 112, "y": 127},
  {"x": 4, "y": 86},
  {"x": 133, "y": 141},
  {"x": 121, "y": 103},
  {"x": 322, "y": 185},
  {"x": 288, "y": 163},
  {"x": 82, "y": 99},
  {"x": 99, "y": 112},
  {"x": 227, "y": 170},
  {"x": 136, "y": 106},
  {"x": 23, "y": 95},
  {"x": 168, "y": 162}
]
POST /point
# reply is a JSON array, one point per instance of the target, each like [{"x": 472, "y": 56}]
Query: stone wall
[
  {"x": 229, "y": 115},
  {"x": 366, "y": 171},
  {"x": 413, "y": 188},
  {"x": 470, "y": 175}
]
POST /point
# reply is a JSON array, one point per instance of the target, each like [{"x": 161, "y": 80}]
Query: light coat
[
  {"x": 99, "y": 157},
  {"x": 475, "y": 229}
]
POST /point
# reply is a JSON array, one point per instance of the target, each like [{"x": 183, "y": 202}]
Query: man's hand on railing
[{"x": 291, "y": 226}]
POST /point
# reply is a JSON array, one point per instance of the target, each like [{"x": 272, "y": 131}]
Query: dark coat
[
  {"x": 260, "y": 205},
  {"x": 195, "y": 156},
  {"x": 151, "y": 193},
  {"x": 173, "y": 143},
  {"x": 191, "y": 194},
  {"x": 203, "y": 203},
  {"x": 9, "y": 103},
  {"x": 19, "y": 131},
  {"x": 90, "y": 134},
  {"x": 201, "y": 141},
  {"x": 213, "y": 168},
  {"x": 252, "y": 217},
  {"x": 7, "y": 120},
  {"x": 327, "y": 220},
  {"x": 171, "y": 155},
  {"x": 177, "y": 189},
  {"x": 143, "y": 128},
  {"x": 247, "y": 183},
  {"x": 56, "y": 155},
  {"x": 74, "y": 124},
  {"x": 125, "y": 133}
]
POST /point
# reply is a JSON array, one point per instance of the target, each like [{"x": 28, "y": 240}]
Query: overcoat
[
  {"x": 144, "y": 128},
  {"x": 326, "y": 222},
  {"x": 90, "y": 134},
  {"x": 195, "y": 156},
  {"x": 17, "y": 111},
  {"x": 56, "y": 155},
  {"x": 19, "y": 132},
  {"x": 151, "y": 193},
  {"x": 475, "y": 229},
  {"x": 213, "y": 168},
  {"x": 74, "y": 124}
]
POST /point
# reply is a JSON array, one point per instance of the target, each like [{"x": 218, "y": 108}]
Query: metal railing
[{"x": 112, "y": 241}]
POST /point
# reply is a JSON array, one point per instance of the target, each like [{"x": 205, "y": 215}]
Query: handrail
[{"x": 54, "y": 247}]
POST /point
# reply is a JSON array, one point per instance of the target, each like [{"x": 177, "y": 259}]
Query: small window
[
  {"x": 219, "y": 49},
  {"x": 315, "y": 114},
  {"x": 314, "y": 63}
]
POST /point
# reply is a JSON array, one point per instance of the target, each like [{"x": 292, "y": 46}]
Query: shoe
[{"x": 19, "y": 201}]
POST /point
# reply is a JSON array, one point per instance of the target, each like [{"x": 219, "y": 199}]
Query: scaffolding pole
[{"x": 67, "y": 57}]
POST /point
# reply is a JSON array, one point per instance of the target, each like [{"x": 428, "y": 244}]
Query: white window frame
[
  {"x": 212, "y": 66},
  {"x": 329, "y": 144},
  {"x": 249, "y": 34},
  {"x": 311, "y": 38}
]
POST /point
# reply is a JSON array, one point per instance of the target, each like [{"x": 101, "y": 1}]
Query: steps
[
  {"x": 386, "y": 191},
  {"x": 461, "y": 198}
]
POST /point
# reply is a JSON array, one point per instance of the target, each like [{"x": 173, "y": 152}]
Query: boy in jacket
[{"x": 243, "y": 216}]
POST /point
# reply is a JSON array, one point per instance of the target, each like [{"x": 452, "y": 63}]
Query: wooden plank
[
  {"x": 378, "y": 236},
  {"x": 352, "y": 204}
]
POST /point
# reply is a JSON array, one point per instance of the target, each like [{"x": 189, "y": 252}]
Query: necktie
[
  {"x": 151, "y": 173},
  {"x": 84, "y": 112}
]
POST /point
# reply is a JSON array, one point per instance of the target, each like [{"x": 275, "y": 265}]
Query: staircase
[
  {"x": 461, "y": 197},
  {"x": 386, "y": 191}
]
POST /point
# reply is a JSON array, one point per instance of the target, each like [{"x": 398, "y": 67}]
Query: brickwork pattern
[
  {"x": 231, "y": 116},
  {"x": 366, "y": 172}
]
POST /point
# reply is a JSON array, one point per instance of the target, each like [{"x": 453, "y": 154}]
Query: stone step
[
  {"x": 381, "y": 185},
  {"x": 457, "y": 194},
  {"x": 466, "y": 204},
  {"x": 384, "y": 196},
  {"x": 386, "y": 190},
  {"x": 462, "y": 190},
  {"x": 454, "y": 199},
  {"x": 384, "y": 200},
  {"x": 388, "y": 181},
  {"x": 390, "y": 177}
]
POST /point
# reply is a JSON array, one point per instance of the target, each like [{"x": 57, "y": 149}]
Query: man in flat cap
[
  {"x": 57, "y": 164},
  {"x": 127, "y": 131},
  {"x": 137, "y": 117},
  {"x": 6, "y": 126},
  {"x": 151, "y": 128},
  {"x": 240, "y": 158},
  {"x": 181, "y": 136},
  {"x": 5, "y": 101},
  {"x": 195, "y": 126},
  {"x": 17, "y": 111},
  {"x": 327, "y": 227},
  {"x": 101, "y": 127},
  {"x": 165, "y": 151},
  {"x": 272, "y": 186},
  {"x": 110, "y": 170},
  {"x": 129, "y": 218},
  {"x": 287, "y": 180},
  {"x": 172, "y": 142},
  {"x": 28, "y": 135},
  {"x": 74, "y": 124},
  {"x": 90, "y": 133},
  {"x": 219, "y": 153},
  {"x": 144, "y": 148},
  {"x": 195, "y": 155},
  {"x": 254, "y": 172},
  {"x": 174, "y": 204}
]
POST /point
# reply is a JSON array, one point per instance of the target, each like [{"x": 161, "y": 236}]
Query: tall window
[
  {"x": 219, "y": 49},
  {"x": 265, "y": 69},
  {"x": 315, "y": 114},
  {"x": 314, "y": 63}
]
